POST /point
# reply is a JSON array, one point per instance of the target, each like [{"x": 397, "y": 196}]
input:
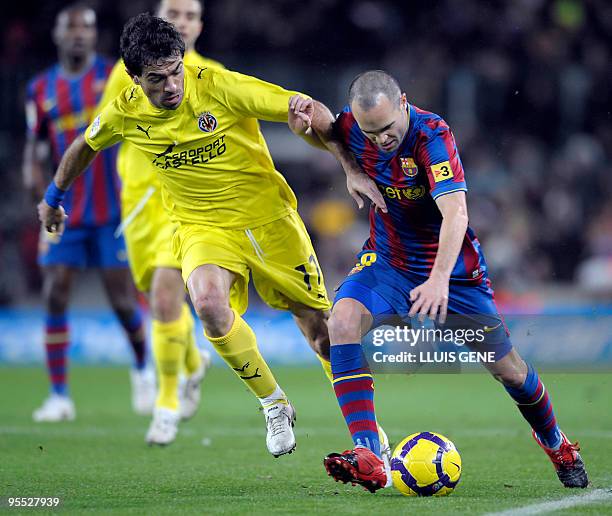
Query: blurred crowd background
[{"x": 526, "y": 86}]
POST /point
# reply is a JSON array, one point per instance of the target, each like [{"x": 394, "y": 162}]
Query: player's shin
[
  {"x": 134, "y": 328},
  {"x": 533, "y": 402},
  {"x": 193, "y": 358},
  {"x": 239, "y": 350},
  {"x": 354, "y": 388},
  {"x": 169, "y": 344},
  {"x": 56, "y": 346}
]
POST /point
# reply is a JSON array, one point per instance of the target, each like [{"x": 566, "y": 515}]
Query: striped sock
[
  {"x": 133, "y": 326},
  {"x": 354, "y": 388},
  {"x": 56, "y": 347},
  {"x": 535, "y": 405}
]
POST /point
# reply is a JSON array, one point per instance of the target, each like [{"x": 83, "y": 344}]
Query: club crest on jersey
[
  {"x": 207, "y": 122},
  {"x": 409, "y": 167}
]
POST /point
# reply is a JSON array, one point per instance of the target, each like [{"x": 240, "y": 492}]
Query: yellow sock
[
  {"x": 169, "y": 345},
  {"x": 326, "y": 365},
  {"x": 193, "y": 359},
  {"x": 239, "y": 350}
]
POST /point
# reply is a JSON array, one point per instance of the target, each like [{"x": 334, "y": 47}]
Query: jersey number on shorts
[{"x": 302, "y": 269}]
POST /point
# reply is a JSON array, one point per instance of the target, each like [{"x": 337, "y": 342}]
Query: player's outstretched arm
[
  {"x": 74, "y": 162},
  {"x": 314, "y": 122}
]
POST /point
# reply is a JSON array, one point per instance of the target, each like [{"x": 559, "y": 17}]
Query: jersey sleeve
[
  {"x": 250, "y": 97},
  {"x": 437, "y": 152},
  {"x": 106, "y": 129},
  {"x": 343, "y": 126},
  {"x": 36, "y": 118},
  {"x": 117, "y": 81}
]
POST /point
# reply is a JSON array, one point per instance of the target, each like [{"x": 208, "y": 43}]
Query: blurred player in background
[
  {"x": 60, "y": 104},
  {"x": 148, "y": 234},
  {"x": 235, "y": 213},
  {"x": 421, "y": 259}
]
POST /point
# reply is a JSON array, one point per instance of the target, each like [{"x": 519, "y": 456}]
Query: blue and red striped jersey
[
  {"x": 58, "y": 109},
  {"x": 424, "y": 167}
]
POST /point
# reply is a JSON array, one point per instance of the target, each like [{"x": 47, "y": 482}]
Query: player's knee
[
  {"x": 125, "y": 306},
  {"x": 344, "y": 326},
  {"x": 165, "y": 306},
  {"x": 212, "y": 306}
]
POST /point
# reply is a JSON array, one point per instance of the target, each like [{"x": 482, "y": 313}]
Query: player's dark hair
[
  {"x": 148, "y": 40},
  {"x": 367, "y": 86}
]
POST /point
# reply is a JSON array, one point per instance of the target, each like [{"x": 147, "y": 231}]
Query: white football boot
[
  {"x": 55, "y": 408},
  {"x": 163, "y": 427},
  {"x": 143, "y": 391},
  {"x": 189, "y": 390},
  {"x": 385, "y": 451},
  {"x": 280, "y": 418}
]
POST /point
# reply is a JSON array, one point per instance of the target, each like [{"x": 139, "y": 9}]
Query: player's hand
[
  {"x": 360, "y": 185},
  {"x": 301, "y": 111},
  {"x": 429, "y": 299},
  {"x": 52, "y": 219}
]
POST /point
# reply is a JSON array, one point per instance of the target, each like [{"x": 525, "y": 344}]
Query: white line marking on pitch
[{"x": 598, "y": 495}]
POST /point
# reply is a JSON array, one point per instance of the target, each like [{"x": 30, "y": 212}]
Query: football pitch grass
[{"x": 219, "y": 462}]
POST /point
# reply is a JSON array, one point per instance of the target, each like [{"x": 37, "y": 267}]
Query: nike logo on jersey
[{"x": 146, "y": 131}]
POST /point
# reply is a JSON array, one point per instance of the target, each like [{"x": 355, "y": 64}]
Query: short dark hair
[
  {"x": 366, "y": 87},
  {"x": 146, "y": 40}
]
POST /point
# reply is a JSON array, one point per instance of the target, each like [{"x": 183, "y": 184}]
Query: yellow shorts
[
  {"x": 279, "y": 255},
  {"x": 148, "y": 238}
]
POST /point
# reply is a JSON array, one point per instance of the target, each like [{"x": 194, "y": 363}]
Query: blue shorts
[
  {"x": 385, "y": 291},
  {"x": 83, "y": 247}
]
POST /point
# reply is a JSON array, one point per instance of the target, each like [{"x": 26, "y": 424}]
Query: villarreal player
[
  {"x": 421, "y": 258},
  {"x": 148, "y": 234},
  {"x": 60, "y": 103},
  {"x": 235, "y": 215}
]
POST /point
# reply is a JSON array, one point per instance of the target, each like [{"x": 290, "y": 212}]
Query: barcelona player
[
  {"x": 234, "y": 212},
  {"x": 148, "y": 234},
  {"x": 60, "y": 103},
  {"x": 421, "y": 259}
]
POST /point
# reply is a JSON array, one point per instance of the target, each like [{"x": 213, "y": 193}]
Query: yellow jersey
[
  {"x": 213, "y": 162},
  {"x": 135, "y": 169}
]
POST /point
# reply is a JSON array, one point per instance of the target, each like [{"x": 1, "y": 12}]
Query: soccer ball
[{"x": 425, "y": 464}]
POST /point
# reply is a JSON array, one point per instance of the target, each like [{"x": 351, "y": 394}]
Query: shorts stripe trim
[{"x": 258, "y": 250}]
